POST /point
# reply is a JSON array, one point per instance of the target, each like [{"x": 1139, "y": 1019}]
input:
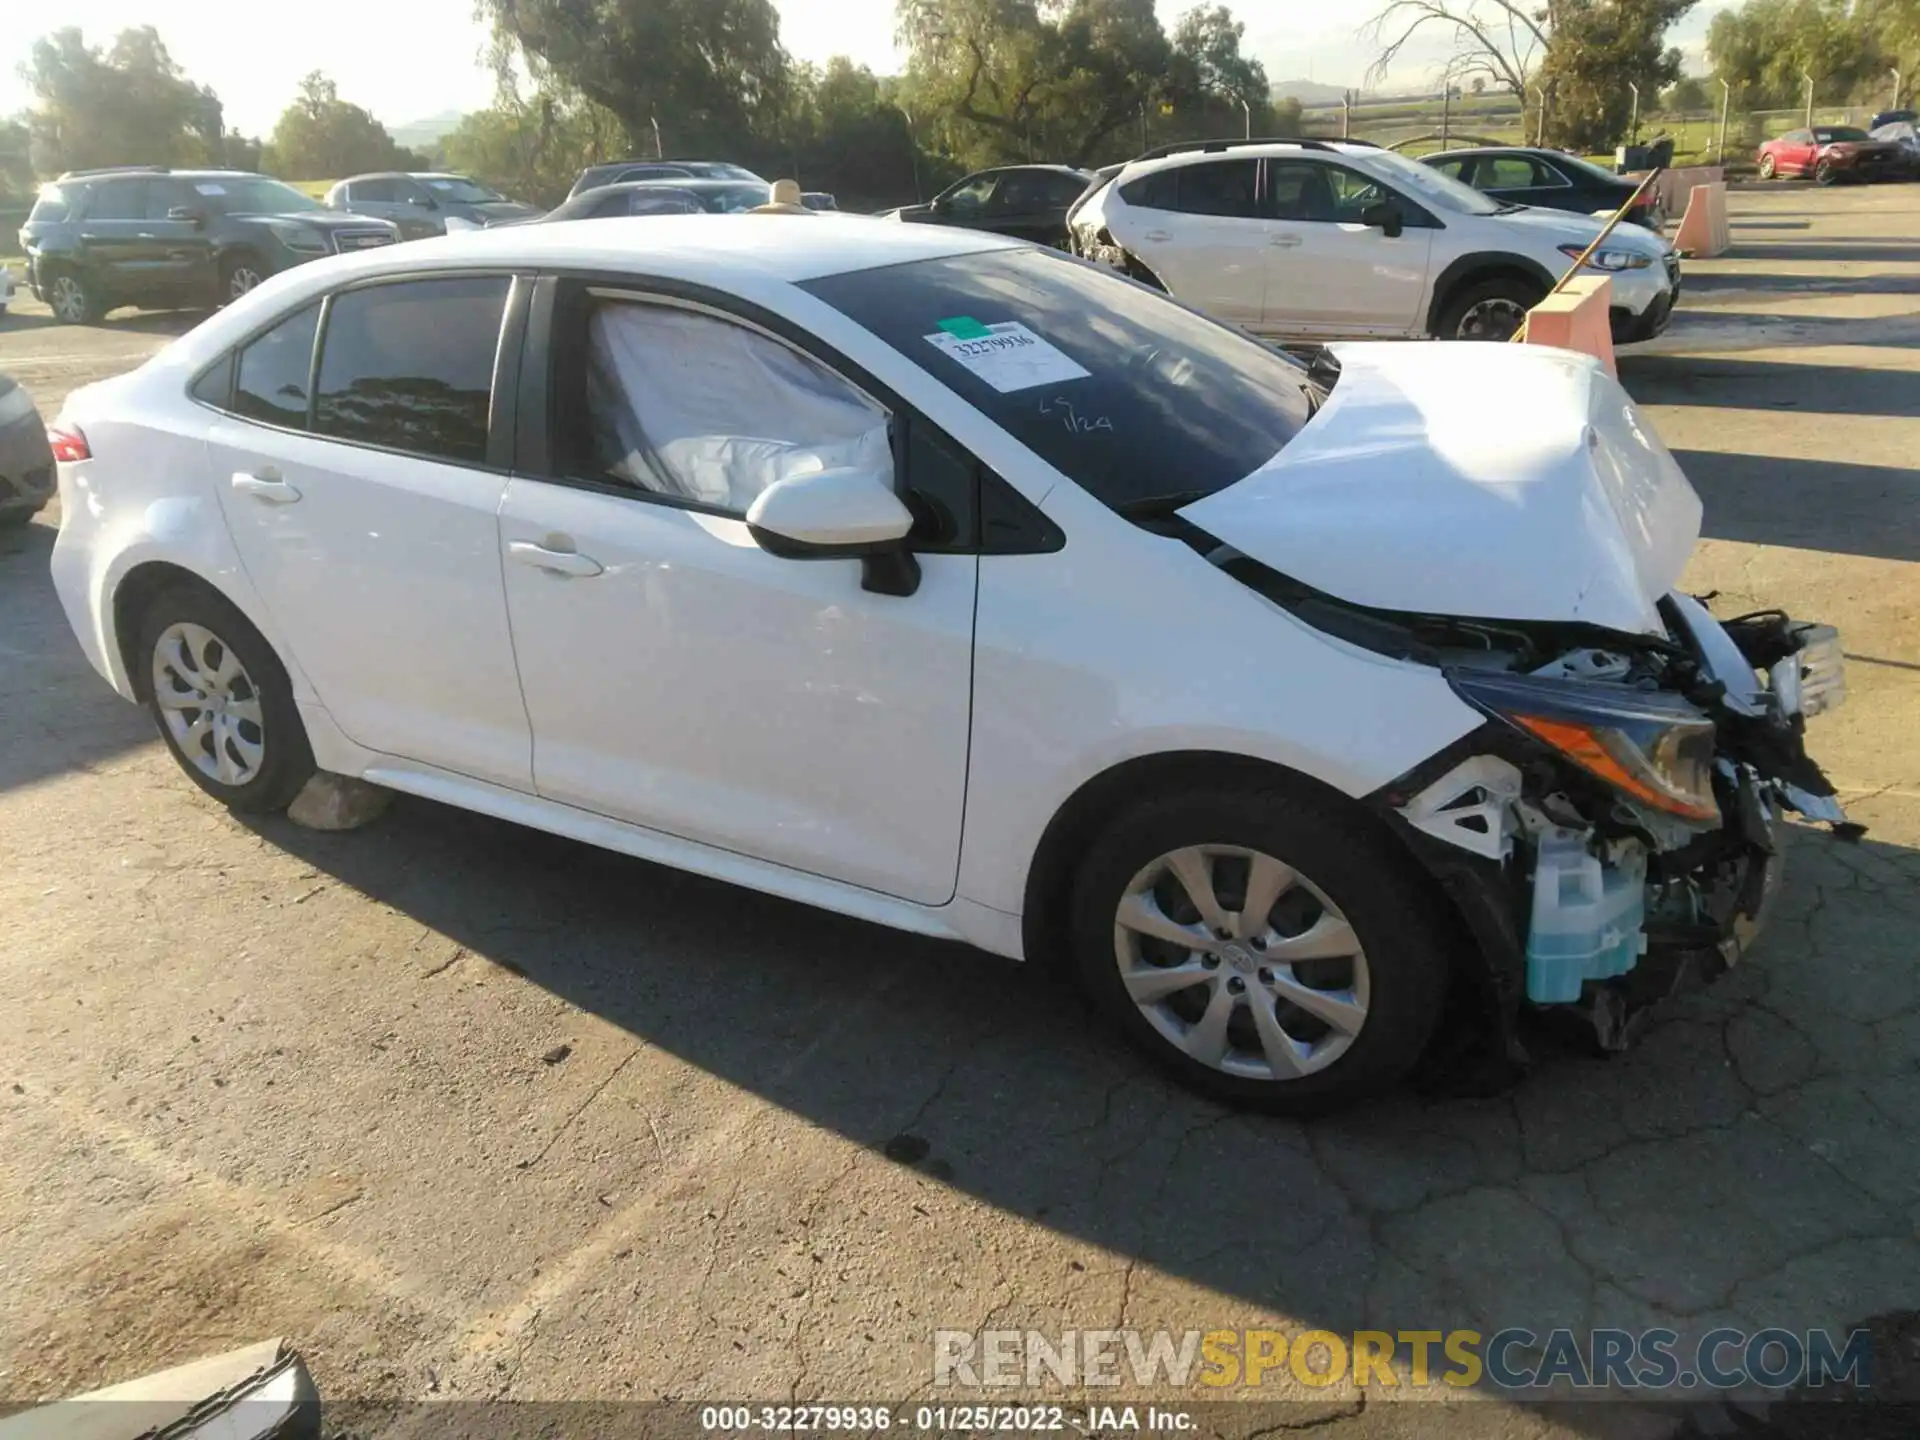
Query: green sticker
[{"x": 964, "y": 327}]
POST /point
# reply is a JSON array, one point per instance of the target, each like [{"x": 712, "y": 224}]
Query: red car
[{"x": 1829, "y": 153}]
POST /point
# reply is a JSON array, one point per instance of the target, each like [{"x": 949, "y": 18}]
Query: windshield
[
  {"x": 1128, "y": 394},
  {"x": 461, "y": 190},
  {"x": 1441, "y": 191},
  {"x": 1827, "y": 134},
  {"x": 251, "y": 195}
]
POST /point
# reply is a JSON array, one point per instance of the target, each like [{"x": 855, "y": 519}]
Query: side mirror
[
  {"x": 1385, "y": 217},
  {"x": 845, "y": 513},
  {"x": 188, "y": 214}
]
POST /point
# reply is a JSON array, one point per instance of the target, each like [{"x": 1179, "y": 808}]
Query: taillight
[{"x": 68, "y": 443}]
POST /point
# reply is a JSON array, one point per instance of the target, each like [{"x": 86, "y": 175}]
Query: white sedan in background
[{"x": 1314, "y": 718}]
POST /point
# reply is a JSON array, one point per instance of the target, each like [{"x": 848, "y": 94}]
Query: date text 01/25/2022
[{"x": 943, "y": 1419}]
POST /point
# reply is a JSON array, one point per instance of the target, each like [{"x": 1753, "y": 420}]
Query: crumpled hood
[{"x": 1499, "y": 482}]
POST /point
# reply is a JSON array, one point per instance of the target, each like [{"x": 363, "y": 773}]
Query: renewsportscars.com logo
[{"x": 1509, "y": 1359}]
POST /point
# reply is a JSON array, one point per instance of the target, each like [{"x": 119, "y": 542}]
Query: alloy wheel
[
  {"x": 209, "y": 704},
  {"x": 242, "y": 279},
  {"x": 1492, "y": 319},
  {"x": 68, "y": 299},
  {"x": 1241, "y": 962}
]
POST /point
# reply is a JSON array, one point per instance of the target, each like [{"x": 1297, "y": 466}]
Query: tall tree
[
  {"x": 126, "y": 105},
  {"x": 1207, "y": 59},
  {"x": 533, "y": 147},
  {"x": 708, "y": 73},
  {"x": 1599, "y": 49},
  {"x": 1764, "y": 49},
  {"x": 1494, "y": 42},
  {"x": 322, "y": 137}
]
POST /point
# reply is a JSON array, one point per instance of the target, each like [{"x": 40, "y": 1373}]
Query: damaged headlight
[{"x": 1655, "y": 748}]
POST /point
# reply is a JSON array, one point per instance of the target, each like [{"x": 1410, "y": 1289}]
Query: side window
[
  {"x": 1220, "y": 187},
  {"x": 974, "y": 194},
  {"x": 1548, "y": 178},
  {"x": 1158, "y": 191},
  {"x": 695, "y": 408},
  {"x": 1354, "y": 192},
  {"x": 409, "y": 366},
  {"x": 1300, "y": 190},
  {"x": 270, "y": 382},
  {"x": 1453, "y": 169},
  {"x": 1505, "y": 172},
  {"x": 162, "y": 196},
  {"x": 371, "y": 191},
  {"x": 120, "y": 200},
  {"x": 1063, "y": 190},
  {"x": 1020, "y": 192}
]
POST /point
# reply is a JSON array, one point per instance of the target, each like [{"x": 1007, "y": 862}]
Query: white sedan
[{"x": 1314, "y": 717}]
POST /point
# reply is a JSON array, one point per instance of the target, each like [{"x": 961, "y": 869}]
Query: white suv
[{"x": 1315, "y": 239}]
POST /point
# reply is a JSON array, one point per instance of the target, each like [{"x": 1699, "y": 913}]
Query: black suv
[{"x": 174, "y": 239}]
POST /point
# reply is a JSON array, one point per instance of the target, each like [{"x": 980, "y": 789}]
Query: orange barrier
[
  {"x": 1675, "y": 186},
  {"x": 1703, "y": 229},
  {"x": 1576, "y": 317}
]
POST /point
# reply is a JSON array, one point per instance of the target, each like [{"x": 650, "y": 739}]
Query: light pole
[
  {"x": 1726, "y": 99},
  {"x": 1807, "y": 76},
  {"x": 913, "y": 149},
  {"x": 1896, "y": 91},
  {"x": 1246, "y": 110},
  {"x": 1633, "y": 124}
]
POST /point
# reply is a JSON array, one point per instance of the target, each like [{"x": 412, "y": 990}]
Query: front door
[
  {"x": 366, "y": 518},
  {"x": 680, "y": 677},
  {"x": 1328, "y": 273},
  {"x": 183, "y": 248}
]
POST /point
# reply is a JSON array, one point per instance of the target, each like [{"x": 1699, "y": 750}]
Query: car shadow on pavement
[
  {"x": 61, "y": 716},
  {"x": 139, "y": 322},
  {"x": 1732, "y": 282},
  {"x": 1732, "y": 383},
  {"x": 1689, "y": 1178},
  {"x": 1830, "y": 505}
]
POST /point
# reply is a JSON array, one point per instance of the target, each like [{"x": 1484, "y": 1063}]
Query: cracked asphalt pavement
[{"x": 466, "y": 1110}]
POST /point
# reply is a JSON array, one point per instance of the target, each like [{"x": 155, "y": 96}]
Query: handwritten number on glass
[{"x": 1076, "y": 424}]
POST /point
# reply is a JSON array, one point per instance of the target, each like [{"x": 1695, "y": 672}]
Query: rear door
[
  {"x": 1204, "y": 230},
  {"x": 361, "y": 479}
]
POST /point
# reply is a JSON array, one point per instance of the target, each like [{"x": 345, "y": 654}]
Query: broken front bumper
[{"x": 1579, "y": 896}]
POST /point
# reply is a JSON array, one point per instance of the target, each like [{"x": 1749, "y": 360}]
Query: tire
[
  {"x": 248, "y": 748},
  {"x": 74, "y": 299},
  {"x": 238, "y": 275},
  {"x": 1767, "y": 167},
  {"x": 1493, "y": 308},
  {"x": 1351, "y": 885},
  {"x": 1824, "y": 173}
]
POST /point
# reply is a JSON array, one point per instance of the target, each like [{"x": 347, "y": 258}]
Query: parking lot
[{"x": 467, "y": 1110}]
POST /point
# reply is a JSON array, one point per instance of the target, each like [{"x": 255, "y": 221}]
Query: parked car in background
[
  {"x": 175, "y": 239},
  {"x": 616, "y": 171},
  {"x": 1549, "y": 179},
  {"x": 26, "y": 459},
  {"x": 1028, "y": 202},
  {"x": 1891, "y": 117},
  {"x": 662, "y": 197},
  {"x": 426, "y": 203},
  {"x": 1316, "y": 239},
  {"x": 819, "y": 200},
  {"x": 1905, "y": 134},
  {"x": 873, "y": 566},
  {"x": 1830, "y": 153}
]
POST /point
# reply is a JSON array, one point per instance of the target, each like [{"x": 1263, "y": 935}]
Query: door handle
[
  {"x": 1158, "y": 235},
  {"x": 1284, "y": 242},
  {"x": 147, "y": 235},
  {"x": 265, "y": 484},
  {"x": 555, "y": 562}
]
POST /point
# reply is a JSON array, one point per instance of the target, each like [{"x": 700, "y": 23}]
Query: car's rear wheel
[
  {"x": 73, "y": 299},
  {"x": 1766, "y": 167},
  {"x": 1269, "y": 948},
  {"x": 222, "y": 701},
  {"x": 1490, "y": 310}
]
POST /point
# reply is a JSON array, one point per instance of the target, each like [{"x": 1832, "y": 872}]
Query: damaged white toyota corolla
[{"x": 1322, "y": 718}]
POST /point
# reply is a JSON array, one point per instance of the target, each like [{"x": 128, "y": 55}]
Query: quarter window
[
  {"x": 1506, "y": 172},
  {"x": 409, "y": 366},
  {"x": 271, "y": 381},
  {"x": 1220, "y": 187},
  {"x": 122, "y": 200}
]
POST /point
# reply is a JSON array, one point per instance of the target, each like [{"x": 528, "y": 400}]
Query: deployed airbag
[{"x": 689, "y": 405}]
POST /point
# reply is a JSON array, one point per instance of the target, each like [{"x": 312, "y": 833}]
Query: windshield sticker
[
  {"x": 1009, "y": 357},
  {"x": 964, "y": 327},
  {"x": 206, "y": 189}
]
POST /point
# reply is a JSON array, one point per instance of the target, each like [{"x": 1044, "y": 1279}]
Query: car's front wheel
[
  {"x": 1490, "y": 310},
  {"x": 1824, "y": 173},
  {"x": 237, "y": 277},
  {"x": 1270, "y": 948},
  {"x": 1767, "y": 167},
  {"x": 222, "y": 701}
]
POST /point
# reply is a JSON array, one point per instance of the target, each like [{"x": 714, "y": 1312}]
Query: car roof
[
  {"x": 1072, "y": 170},
  {"x": 1251, "y": 150},
  {"x": 699, "y": 184},
  {"x": 1536, "y": 151}
]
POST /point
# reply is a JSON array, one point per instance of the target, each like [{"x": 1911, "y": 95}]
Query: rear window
[
  {"x": 1133, "y": 397},
  {"x": 53, "y": 204}
]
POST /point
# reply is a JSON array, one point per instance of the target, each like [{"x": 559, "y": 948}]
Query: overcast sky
[{"x": 408, "y": 59}]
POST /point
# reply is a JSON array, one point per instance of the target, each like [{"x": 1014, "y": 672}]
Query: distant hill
[
  {"x": 1308, "y": 92},
  {"x": 424, "y": 134}
]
